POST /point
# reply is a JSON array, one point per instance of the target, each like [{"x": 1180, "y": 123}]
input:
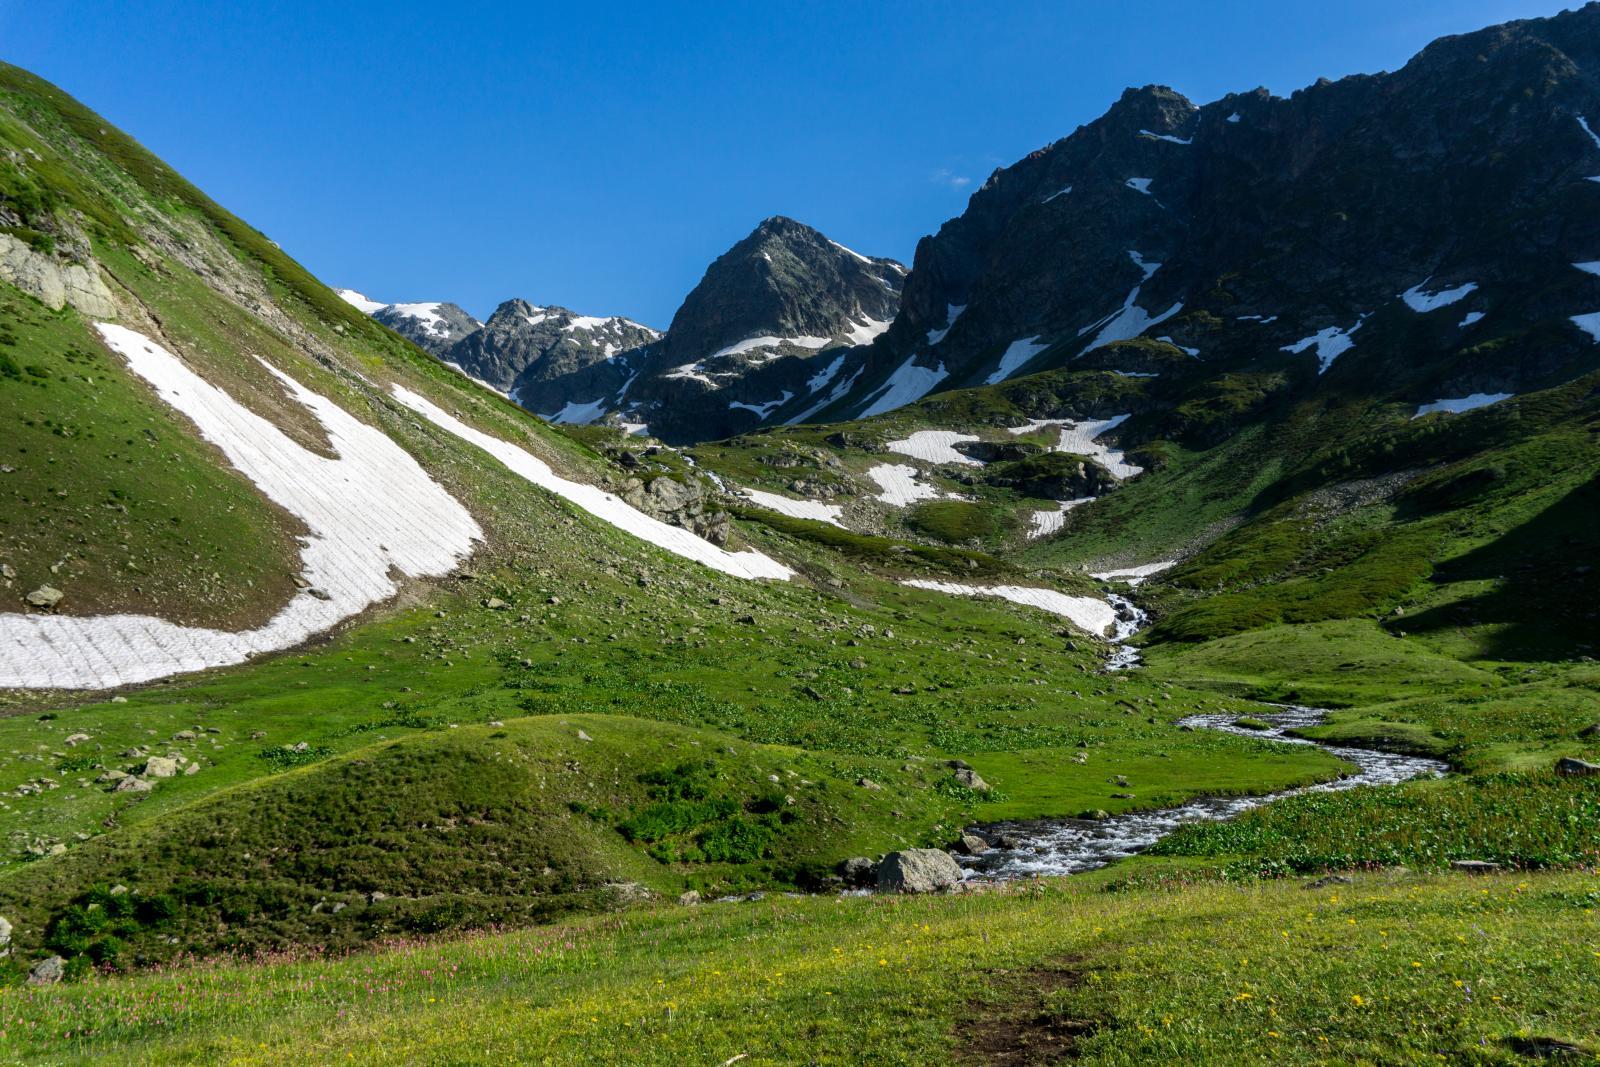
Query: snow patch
[
  {"x": 1143, "y": 264},
  {"x": 1134, "y": 575},
  {"x": 1049, "y": 521},
  {"x": 1462, "y": 403},
  {"x": 865, "y": 332},
  {"x": 1470, "y": 318},
  {"x": 934, "y": 446},
  {"x": 798, "y": 509},
  {"x": 1331, "y": 343},
  {"x": 825, "y": 375},
  {"x": 1089, "y": 613},
  {"x": 1233, "y": 117},
  {"x": 1059, "y": 192},
  {"x": 1180, "y": 348},
  {"x": 909, "y": 382},
  {"x": 371, "y": 511},
  {"x": 768, "y": 341},
  {"x": 1165, "y": 137},
  {"x": 575, "y": 414},
  {"x": 1589, "y": 324},
  {"x": 364, "y": 304},
  {"x": 597, "y": 502},
  {"x": 899, "y": 485},
  {"x": 952, "y": 312},
  {"x": 763, "y": 410},
  {"x": 427, "y": 315},
  {"x": 1078, "y": 438},
  {"x": 1422, "y": 302},
  {"x": 1591, "y": 267},
  {"x": 1129, "y": 321},
  {"x": 1139, "y": 185},
  {"x": 1015, "y": 356}
]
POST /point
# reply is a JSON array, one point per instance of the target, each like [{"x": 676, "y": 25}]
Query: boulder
[
  {"x": 858, "y": 871},
  {"x": 689, "y": 899},
  {"x": 1574, "y": 767},
  {"x": 969, "y": 778},
  {"x": 45, "y": 598},
  {"x": 1474, "y": 866},
  {"x": 917, "y": 870},
  {"x": 867, "y": 783},
  {"x": 131, "y": 784},
  {"x": 5, "y": 932},
  {"x": 971, "y": 845},
  {"x": 47, "y": 971},
  {"x": 160, "y": 767}
]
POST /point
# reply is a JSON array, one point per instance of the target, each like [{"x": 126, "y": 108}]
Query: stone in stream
[
  {"x": 971, "y": 845},
  {"x": 1574, "y": 767},
  {"x": 918, "y": 870}
]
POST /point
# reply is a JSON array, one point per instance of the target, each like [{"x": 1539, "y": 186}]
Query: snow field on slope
[
  {"x": 1456, "y": 405},
  {"x": 898, "y": 484},
  {"x": 934, "y": 446},
  {"x": 908, "y": 383},
  {"x": 602, "y": 505},
  {"x": 1079, "y": 439},
  {"x": 1330, "y": 343},
  {"x": 1134, "y": 575},
  {"x": 1049, "y": 521},
  {"x": 795, "y": 508},
  {"x": 1016, "y": 354},
  {"x": 1089, "y": 613},
  {"x": 370, "y": 511}
]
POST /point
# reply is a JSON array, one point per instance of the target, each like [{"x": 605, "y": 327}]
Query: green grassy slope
[{"x": 1389, "y": 969}]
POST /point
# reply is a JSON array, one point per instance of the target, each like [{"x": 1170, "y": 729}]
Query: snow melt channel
[
  {"x": 371, "y": 511},
  {"x": 602, "y": 505}
]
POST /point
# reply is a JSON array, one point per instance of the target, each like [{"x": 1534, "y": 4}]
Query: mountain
[
  {"x": 432, "y": 327},
  {"x": 761, "y": 333},
  {"x": 1409, "y": 235},
  {"x": 533, "y": 353}
]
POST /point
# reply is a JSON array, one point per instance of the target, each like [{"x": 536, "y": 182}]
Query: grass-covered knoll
[
  {"x": 476, "y": 826},
  {"x": 1391, "y": 968}
]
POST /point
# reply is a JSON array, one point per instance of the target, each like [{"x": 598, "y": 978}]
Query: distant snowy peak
[
  {"x": 432, "y": 325},
  {"x": 360, "y": 301}
]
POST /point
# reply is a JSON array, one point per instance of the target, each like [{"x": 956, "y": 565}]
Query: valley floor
[{"x": 1145, "y": 964}]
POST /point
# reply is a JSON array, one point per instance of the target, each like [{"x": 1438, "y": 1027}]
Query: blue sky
[{"x": 601, "y": 155}]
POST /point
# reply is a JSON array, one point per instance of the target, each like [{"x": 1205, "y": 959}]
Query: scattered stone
[
  {"x": 917, "y": 870},
  {"x": 1474, "y": 866},
  {"x": 183, "y": 735},
  {"x": 47, "y": 971},
  {"x": 193, "y": 768},
  {"x": 583, "y": 736},
  {"x": 1329, "y": 879},
  {"x": 1095, "y": 813},
  {"x": 376, "y": 895},
  {"x": 118, "y": 889},
  {"x": 77, "y": 739},
  {"x": 1574, "y": 767},
  {"x": 494, "y": 603},
  {"x": 958, "y": 764},
  {"x": 1122, "y": 796},
  {"x": 131, "y": 784},
  {"x": 320, "y": 594},
  {"x": 45, "y": 598},
  {"x": 689, "y": 899},
  {"x": 867, "y": 783},
  {"x": 111, "y": 774}
]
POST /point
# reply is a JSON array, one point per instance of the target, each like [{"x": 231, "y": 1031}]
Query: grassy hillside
[{"x": 1391, "y": 968}]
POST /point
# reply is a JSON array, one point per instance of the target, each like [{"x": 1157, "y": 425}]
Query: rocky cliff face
[{"x": 1413, "y": 233}]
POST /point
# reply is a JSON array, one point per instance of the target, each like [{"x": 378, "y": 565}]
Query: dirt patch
[{"x": 1016, "y": 1023}]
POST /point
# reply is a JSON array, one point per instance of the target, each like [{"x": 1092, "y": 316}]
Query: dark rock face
[
  {"x": 1410, "y": 234},
  {"x": 548, "y": 357},
  {"x": 432, "y": 327},
  {"x": 762, "y": 334}
]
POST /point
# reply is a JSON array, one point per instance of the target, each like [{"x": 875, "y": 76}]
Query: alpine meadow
[{"x": 1156, "y": 623}]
